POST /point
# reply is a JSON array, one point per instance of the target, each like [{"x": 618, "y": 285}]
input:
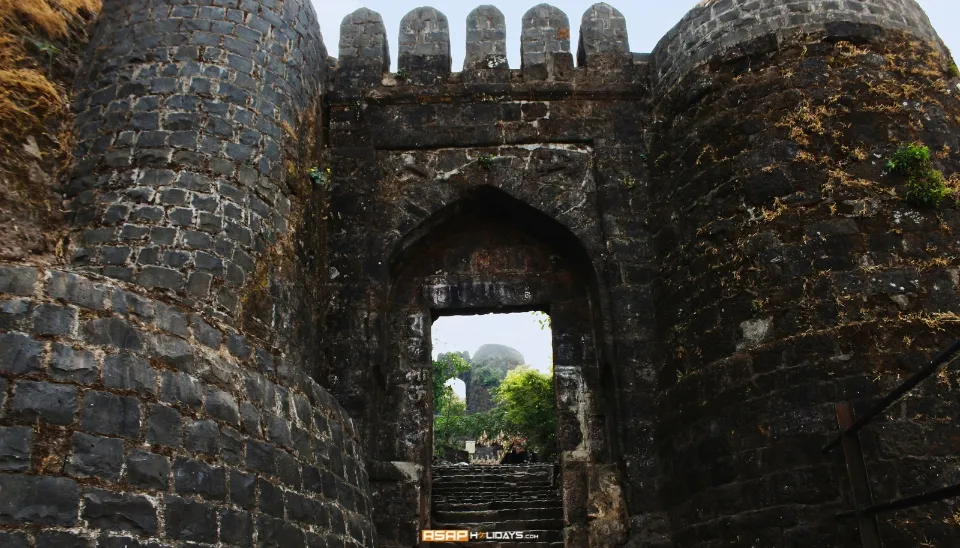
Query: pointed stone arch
[{"x": 490, "y": 251}]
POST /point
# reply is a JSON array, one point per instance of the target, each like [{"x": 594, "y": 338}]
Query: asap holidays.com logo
[{"x": 441, "y": 535}]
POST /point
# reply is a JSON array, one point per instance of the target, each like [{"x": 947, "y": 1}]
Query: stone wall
[
  {"x": 794, "y": 275},
  {"x": 559, "y": 147},
  {"x": 128, "y": 421},
  {"x": 714, "y": 26}
]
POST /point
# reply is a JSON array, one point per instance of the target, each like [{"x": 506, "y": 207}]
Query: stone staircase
[{"x": 498, "y": 498}]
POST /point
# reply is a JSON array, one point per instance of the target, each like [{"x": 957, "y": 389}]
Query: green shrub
[
  {"x": 925, "y": 185},
  {"x": 926, "y": 188}
]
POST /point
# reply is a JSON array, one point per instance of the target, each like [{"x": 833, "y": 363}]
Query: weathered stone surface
[
  {"x": 94, "y": 456},
  {"x": 486, "y": 39},
  {"x": 545, "y": 43},
  {"x": 109, "y": 414},
  {"x": 165, "y": 426},
  {"x": 42, "y": 500},
  {"x": 15, "y": 448},
  {"x": 56, "y": 403},
  {"x": 196, "y": 477},
  {"x": 148, "y": 470},
  {"x": 713, "y": 292},
  {"x": 69, "y": 364},
  {"x": 128, "y": 372},
  {"x": 119, "y": 512},
  {"x": 19, "y": 354},
  {"x": 189, "y": 520},
  {"x": 603, "y": 36},
  {"x": 18, "y": 280},
  {"x": 363, "y": 39},
  {"x": 424, "y": 50}
]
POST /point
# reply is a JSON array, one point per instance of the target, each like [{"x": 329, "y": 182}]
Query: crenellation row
[{"x": 424, "y": 43}]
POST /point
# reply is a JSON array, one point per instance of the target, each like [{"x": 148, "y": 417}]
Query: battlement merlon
[
  {"x": 715, "y": 27},
  {"x": 424, "y": 45}
]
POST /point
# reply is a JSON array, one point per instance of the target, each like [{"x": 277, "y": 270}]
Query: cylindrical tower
[
  {"x": 135, "y": 408},
  {"x": 797, "y": 270},
  {"x": 182, "y": 119}
]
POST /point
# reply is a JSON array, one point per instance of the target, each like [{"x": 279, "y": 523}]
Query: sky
[
  {"x": 520, "y": 331},
  {"x": 647, "y": 21}
]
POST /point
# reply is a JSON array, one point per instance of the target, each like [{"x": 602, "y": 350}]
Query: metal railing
[{"x": 865, "y": 510}]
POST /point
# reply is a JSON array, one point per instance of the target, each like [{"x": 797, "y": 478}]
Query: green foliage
[
  {"x": 953, "y": 71},
  {"x": 543, "y": 319},
  {"x": 629, "y": 182},
  {"x": 925, "y": 185},
  {"x": 485, "y": 161},
  {"x": 528, "y": 401},
  {"x": 487, "y": 376},
  {"x": 525, "y": 407},
  {"x": 909, "y": 158},
  {"x": 403, "y": 74},
  {"x": 318, "y": 176}
]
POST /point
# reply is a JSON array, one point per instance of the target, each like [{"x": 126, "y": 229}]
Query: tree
[{"x": 529, "y": 408}]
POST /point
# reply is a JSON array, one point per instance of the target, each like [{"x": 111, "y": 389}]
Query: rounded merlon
[
  {"x": 363, "y": 36},
  {"x": 424, "y": 32},
  {"x": 486, "y": 39},
  {"x": 545, "y": 38},
  {"x": 603, "y": 31}
]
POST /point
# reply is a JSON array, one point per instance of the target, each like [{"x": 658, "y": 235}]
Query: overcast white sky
[
  {"x": 647, "y": 21},
  {"x": 468, "y": 333}
]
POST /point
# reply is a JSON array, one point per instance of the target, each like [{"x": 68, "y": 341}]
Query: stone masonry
[{"x": 234, "y": 348}]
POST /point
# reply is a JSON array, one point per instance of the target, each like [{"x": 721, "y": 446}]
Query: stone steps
[
  {"x": 498, "y": 499},
  {"x": 457, "y": 505},
  {"x": 484, "y": 516}
]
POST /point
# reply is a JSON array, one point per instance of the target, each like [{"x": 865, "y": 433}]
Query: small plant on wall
[
  {"x": 485, "y": 161},
  {"x": 925, "y": 185}
]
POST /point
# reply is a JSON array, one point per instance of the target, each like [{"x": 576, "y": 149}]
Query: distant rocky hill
[{"x": 491, "y": 363}]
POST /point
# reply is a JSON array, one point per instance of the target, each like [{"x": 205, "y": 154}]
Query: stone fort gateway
[{"x": 231, "y": 344}]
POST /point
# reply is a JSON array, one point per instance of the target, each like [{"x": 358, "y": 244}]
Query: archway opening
[{"x": 494, "y": 395}]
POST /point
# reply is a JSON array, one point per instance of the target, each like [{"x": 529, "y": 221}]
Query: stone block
[
  {"x": 20, "y": 354},
  {"x": 243, "y": 489},
  {"x": 16, "y": 448},
  {"x": 199, "y": 478},
  {"x": 148, "y": 470},
  {"x": 236, "y": 528},
  {"x": 112, "y": 332},
  {"x": 119, "y": 512},
  {"x": 129, "y": 372},
  {"x": 180, "y": 388},
  {"x": 55, "y": 403},
  {"x": 40, "y": 500},
  {"x": 77, "y": 290},
  {"x": 271, "y": 499},
  {"x": 18, "y": 280},
  {"x": 203, "y": 436},
  {"x": 52, "y": 319},
  {"x": 222, "y": 406},
  {"x": 109, "y": 414},
  {"x": 165, "y": 426},
  {"x": 96, "y": 457},
  {"x": 69, "y": 364}
]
